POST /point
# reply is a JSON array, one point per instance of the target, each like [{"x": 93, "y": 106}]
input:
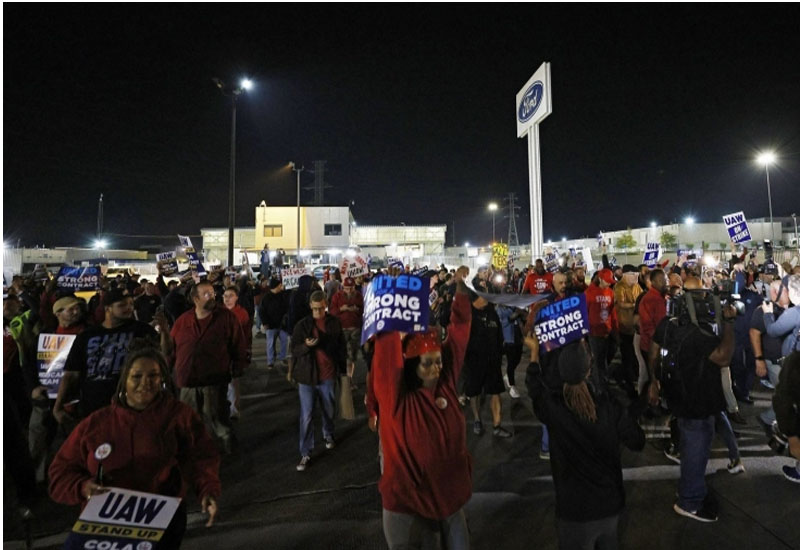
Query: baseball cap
[
  {"x": 115, "y": 295},
  {"x": 349, "y": 281},
  {"x": 64, "y": 303},
  {"x": 607, "y": 275}
]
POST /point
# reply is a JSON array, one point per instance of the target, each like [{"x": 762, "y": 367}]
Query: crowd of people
[{"x": 157, "y": 363}]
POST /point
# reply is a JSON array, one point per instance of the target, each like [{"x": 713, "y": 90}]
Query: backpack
[{"x": 679, "y": 382}]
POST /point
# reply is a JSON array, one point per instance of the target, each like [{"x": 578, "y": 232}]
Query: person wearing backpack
[{"x": 690, "y": 373}]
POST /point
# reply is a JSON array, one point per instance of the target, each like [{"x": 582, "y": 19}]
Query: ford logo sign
[{"x": 530, "y": 102}]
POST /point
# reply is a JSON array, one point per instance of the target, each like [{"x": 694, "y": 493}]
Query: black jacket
[
  {"x": 274, "y": 307},
  {"x": 786, "y": 400},
  {"x": 332, "y": 341},
  {"x": 584, "y": 456}
]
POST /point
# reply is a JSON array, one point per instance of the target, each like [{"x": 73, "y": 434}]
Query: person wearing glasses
[{"x": 210, "y": 348}]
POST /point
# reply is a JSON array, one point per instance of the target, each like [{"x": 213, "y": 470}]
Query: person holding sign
[
  {"x": 427, "y": 477},
  {"x": 153, "y": 442},
  {"x": 348, "y": 306},
  {"x": 586, "y": 430}
]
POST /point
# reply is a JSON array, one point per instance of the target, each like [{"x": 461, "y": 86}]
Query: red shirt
[
  {"x": 247, "y": 325},
  {"x": 74, "y": 329},
  {"x": 147, "y": 448},
  {"x": 652, "y": 309},
  {"x": 349, "y": 318},
  {"x": 326, "y": 368},
  {"x": 427, "y": 468},
  {"x": 537, "y": 284},
  {"x": 600, "y": 302}
]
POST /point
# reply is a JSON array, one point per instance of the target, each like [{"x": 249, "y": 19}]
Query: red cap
[
  {"x": 419, "y": 343},
  {"x": 348, "y": 281},
  {"x": 607, "y": 275}
]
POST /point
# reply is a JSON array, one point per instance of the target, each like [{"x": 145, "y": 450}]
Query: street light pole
[
  {"x": 234, "y": 93},
  {"x": 298, "y": 170},
  {"x": 766, "y": 159},
  {"x": 493, "y": 209}
]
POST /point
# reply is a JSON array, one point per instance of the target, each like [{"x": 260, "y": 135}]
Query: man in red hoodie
[
  {"x": 538, "y": 281},
  {"x": 602, "y": 324},
  {"x": 348, "y": 306}
]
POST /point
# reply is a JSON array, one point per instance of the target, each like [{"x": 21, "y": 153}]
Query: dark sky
[{"x": 658, "y": 111}]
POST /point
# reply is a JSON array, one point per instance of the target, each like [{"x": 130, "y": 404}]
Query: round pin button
[
  {"x": 102, "y": 452},
  {"x": 441, "y": 402}
]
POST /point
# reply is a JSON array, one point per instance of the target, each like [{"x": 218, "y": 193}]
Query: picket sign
[{"x": 395, "y": 303}]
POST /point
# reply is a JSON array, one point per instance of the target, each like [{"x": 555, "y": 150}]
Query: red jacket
[
  {"x": 349, "y": 319},
  {"x": 600, "y": 303},
  {"x": 206, "y": 357},
  {"x": 158, "y": 450},
  {"x": 246, "y": 323},
  {"x": 538, "y": 284},
  {"x": 652, "y": 309},
  {"x": 427, "y": 469}
]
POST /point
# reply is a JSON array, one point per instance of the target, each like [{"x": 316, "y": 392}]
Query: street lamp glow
[
  {"x": 766, "y": 158},
  {"x": 652, "y": 224},
  {"x": 246, "y": 84},
  {"x": 563, "y": 239},
  {"x": 689, "y": 220},
  {"x": 492, "y": 206},
  {"x": 100, "y": 244},
  {"x": 466, "y": 244}
]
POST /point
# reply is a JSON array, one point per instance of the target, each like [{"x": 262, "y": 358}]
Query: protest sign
[
  {"x": 562, "y": 322},
  {"x": 246, "y": 264},
  {"x": 500, "y": 256},
  {"x": 395, "y": 262},
  {"x": 78, "y": 278},
  {"x": 551, "y": 262},
  {"x": 419, "y": 271},
  {"x": 355, "y": 266},
  {"x": 290, "y": 276},
  {"x": 51, "y": 354},
  {"x": 194, "y": 262},
  {"x": 167, "y": 263},
  {"x": 432, "y": 297},
  {"x": 737, "y": 228},
  {"x": 395, "y": 303},
  {"x": 121, "y": 519},
  {"x": 651, "y": 254},
  {"x": 186, "y": 242}
]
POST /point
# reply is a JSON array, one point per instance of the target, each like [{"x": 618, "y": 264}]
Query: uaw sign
[
  {"x": 500, "y": 255},
  {"x": 78, "y": 278},
  {"x": 651, "y": 254},
  {"x": 562, "y": 322},
  {"x": 122, "y": 519},
  {"x": 395, "y": 303},
  {"x": 355, "y": 266},
  {"x": 737, "y": 227},
  {"x": 167, "y": 263},
  {"x": 51, "y": 354}
]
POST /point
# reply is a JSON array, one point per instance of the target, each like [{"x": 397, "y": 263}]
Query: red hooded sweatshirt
[{"x": 427, "y": 469}]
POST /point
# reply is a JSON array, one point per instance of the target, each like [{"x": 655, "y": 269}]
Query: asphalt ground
[{"x": 335, "y": 504}]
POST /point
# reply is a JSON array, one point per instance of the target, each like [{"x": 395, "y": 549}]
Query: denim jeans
[
  {"x": 696, "y": 436},
  {"x": 284, "y": 338},
  {"x": 723, "y": 426},
  {"x": 308, "y": 398},
  {"x": 743, "y": 369},
  {"x": 545, "y": 439},
  {"x": 408, "y": 531}
]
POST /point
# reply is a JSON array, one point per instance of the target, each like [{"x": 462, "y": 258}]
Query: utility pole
[
  {"x": 100, "y": 216},
  {"x": 513, "y": 238},
  {"x": 319, "y": 182}
]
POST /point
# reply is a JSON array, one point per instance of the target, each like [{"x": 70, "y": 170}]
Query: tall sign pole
[{"x": 534, "y": 104}]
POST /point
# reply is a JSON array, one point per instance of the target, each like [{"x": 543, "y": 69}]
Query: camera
[{"x": 777, "y": 441}]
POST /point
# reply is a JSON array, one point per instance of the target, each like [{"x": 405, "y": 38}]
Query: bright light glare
[
  {"x": 466, "y": 244},
  {"x": 652, "y": 224},
  {"x": 563, "y": 239},
  {"x": 305, "y": 252},
  {"x": 100, "y": 243},
  {"x": 394, "y": 244},
  {"x": 333, "y": 251},
  {"x": 689, "y": 220},
  {"x": 766, "y": 158},
  {"x": 710, "y": 261},
  {"x": 492, "y": 206},
  {"x": 247, "y": 84},
  {"x": 350, "y": 253}
]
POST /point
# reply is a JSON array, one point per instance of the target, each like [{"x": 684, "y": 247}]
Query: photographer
[
  {"x": 786, "y": 403},
  {"x": 788, "y": 326},
  {"x": 691, "y": 356}
]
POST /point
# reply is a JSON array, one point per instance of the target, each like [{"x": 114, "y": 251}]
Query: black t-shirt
[
  {"x": 700, "y": 393},
  {"x": 770, "y": 346},
  {"x": 146, "y": 306},
  {"x": 98, "y": 355}
]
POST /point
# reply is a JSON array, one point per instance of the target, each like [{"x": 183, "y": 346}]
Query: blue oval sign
[{"x": 530, "y": 101}]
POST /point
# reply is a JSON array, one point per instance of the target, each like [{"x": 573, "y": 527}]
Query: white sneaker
[
  {"x": 513, "y": 392},
  {"x": 303, "y": 463},
  {"x": 505, "y": 380}
]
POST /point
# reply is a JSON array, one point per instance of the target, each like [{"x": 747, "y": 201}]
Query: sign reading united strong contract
[
  {"x": 395, "y": 303},
  {"x": 78, "y": 278},
  {"x": 737, "y": 227},
  {"x": 356, "y": 266},
  {"x": 562, "y": 322},
  {"x": 124, "y": 520}
]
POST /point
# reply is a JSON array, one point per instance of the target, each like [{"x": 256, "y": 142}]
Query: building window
[
  {"x": 273, "y": 231},
  {"x": 333, "y": 229}
]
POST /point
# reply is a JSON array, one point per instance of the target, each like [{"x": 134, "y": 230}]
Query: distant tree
[
  {"x": 668, "y": 240},
  {"x": 626, "y": 241}
]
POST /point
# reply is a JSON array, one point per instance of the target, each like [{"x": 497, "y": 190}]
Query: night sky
[{"x": 658, "y": 112}]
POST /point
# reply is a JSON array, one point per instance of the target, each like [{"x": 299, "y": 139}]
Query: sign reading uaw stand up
[{"x": 534, "y": 104}]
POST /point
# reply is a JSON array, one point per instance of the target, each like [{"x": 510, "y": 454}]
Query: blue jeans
[
  {"x": 545, "y": 439},
  {"x": 696, "y": 436},
  {"x": 308, "y": 395},
  {"x": 284, "y": 338},
  {"x": 743, "y": 369},
  {"x": 723, "y": 426}
]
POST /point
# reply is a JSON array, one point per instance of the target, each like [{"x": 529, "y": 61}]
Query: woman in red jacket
[
  {"x": 427, "y": 476},
  {"x": 157, "y": 444}
]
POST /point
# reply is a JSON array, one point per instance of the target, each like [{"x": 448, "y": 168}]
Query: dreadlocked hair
[{"x": 579, "y": 401}]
